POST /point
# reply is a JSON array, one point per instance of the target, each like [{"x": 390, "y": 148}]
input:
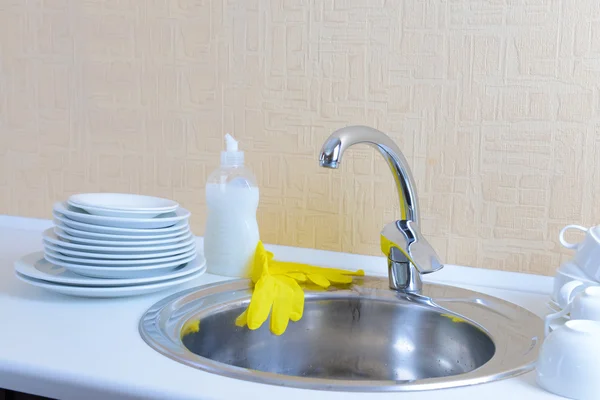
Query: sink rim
[{"x": 516, "y": 333}]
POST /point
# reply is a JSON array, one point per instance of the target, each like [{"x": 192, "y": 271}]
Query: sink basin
[{"x": 363, "y": 338}]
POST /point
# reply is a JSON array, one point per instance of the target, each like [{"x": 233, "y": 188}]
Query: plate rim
[
  {"x": 121, "y": 264},
  {"x": 184, "y": 214},
  {"x": 116, "y": 291},
  {"x": 100, "y": 212},
  {"x": 173, "y": 206},
  {"x": 172, "y": 233},
  {"x": 179, "y": 225},
  {"x": 170, "y": 264},
  {"x": 148, "y": 242},
  {"x": 29, "y": 261},
  {"x": 125, "y": 256},
  {"x": 48, "y": 233}
]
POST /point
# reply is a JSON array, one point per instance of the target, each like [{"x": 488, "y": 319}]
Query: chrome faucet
[{"x": 408, "y": 252}]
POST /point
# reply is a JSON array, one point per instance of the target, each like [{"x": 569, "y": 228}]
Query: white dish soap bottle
[{"x": 231, "y": 233}]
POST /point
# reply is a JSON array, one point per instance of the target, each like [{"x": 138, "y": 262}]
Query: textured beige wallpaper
[{"x": 496, "y": 105}]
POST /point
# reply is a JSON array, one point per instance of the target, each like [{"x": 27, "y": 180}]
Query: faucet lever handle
[{"x": 405, "y": 236}]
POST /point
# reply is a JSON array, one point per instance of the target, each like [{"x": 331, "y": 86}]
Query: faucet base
[{"x": 404, "y": 277}]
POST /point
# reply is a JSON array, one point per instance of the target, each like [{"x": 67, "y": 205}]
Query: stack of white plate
[{"x": 111, "y": 245}]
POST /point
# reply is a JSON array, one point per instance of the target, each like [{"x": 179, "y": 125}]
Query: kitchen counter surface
[{"x": 76, "y": 348}]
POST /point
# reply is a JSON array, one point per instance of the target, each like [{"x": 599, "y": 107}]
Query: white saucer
[
  {"x": 182, "y": 229},
  {"x": 143, "y": 255},
  {"x": 148, "y": 233},
  {"x": 123, "y": 202},
  {"x": 116, "y": 263},
  {"x": 35, "y": 266},
  {"x": 123, "y": 272},
  {"x": 161, "y": 221},
  {"x": 94, "y": 250},
  {"x": 113, "y": 291}
]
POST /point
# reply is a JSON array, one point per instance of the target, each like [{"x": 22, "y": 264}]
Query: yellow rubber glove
[
  {"x": 278, "y": 289},
  {"x": 279, "y": 295},
  {"x": 320, "y": 276}
]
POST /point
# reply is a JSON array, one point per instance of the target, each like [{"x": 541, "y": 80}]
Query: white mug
[
  {"x": 580, "y": 300},
  {"x": 568, "y": 360},
  {"x": 587, "y": 256}
]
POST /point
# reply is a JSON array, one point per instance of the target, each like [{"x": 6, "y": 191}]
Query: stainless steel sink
[
  {"x": 390, "y": 334},
  {"x": 363, "y": 338}
]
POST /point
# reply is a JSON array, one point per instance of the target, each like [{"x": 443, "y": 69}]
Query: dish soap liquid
[{"x": 231, "y": 233}]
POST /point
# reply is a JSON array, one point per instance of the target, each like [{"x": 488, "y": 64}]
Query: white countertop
[{"x": 73, "y": 348}]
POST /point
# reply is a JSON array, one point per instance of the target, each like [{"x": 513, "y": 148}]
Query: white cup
[
  {"x": 587, "y": 256},
  {"x": 568, "y": 361},
  {"x": 580, "y": 300},
  {"x": 586, "y": 305}
]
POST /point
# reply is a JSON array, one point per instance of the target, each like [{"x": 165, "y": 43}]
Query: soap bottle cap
[{"x": 232, "y": 157}]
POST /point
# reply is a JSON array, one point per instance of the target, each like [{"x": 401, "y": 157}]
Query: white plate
[
  {"x": 146, "y": 233},
  {"x": 123, "y": 202},
  {"x": 35, "y": 266},
  {"x": 122, "y": 272},
  {"x": 161, "y": 221},
  {"x": 98, "y": 251},
  {"x": 140, "y": 234},
  {"x": 117, "y": 263},
  {"x": 144, "y": 255},
  {"x": 117, "y": 213},
  {"x": 118, "y": 291},
  {"x": 61, "y": 232}
]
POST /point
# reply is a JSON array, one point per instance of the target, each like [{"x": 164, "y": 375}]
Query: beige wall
[{"x": 496, "y": 105}]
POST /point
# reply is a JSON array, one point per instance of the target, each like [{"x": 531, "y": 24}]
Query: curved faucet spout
[
  {"x": 409, "y": 254},
  {"x": 340, "y": 140}
]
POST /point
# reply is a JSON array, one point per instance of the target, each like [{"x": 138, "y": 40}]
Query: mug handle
[
  {"x": 563, "y": 241},
  {"x": 565, "y": 299},
  {"x": 568, "y": 292},
  {"x": 551, "y": 317}
]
